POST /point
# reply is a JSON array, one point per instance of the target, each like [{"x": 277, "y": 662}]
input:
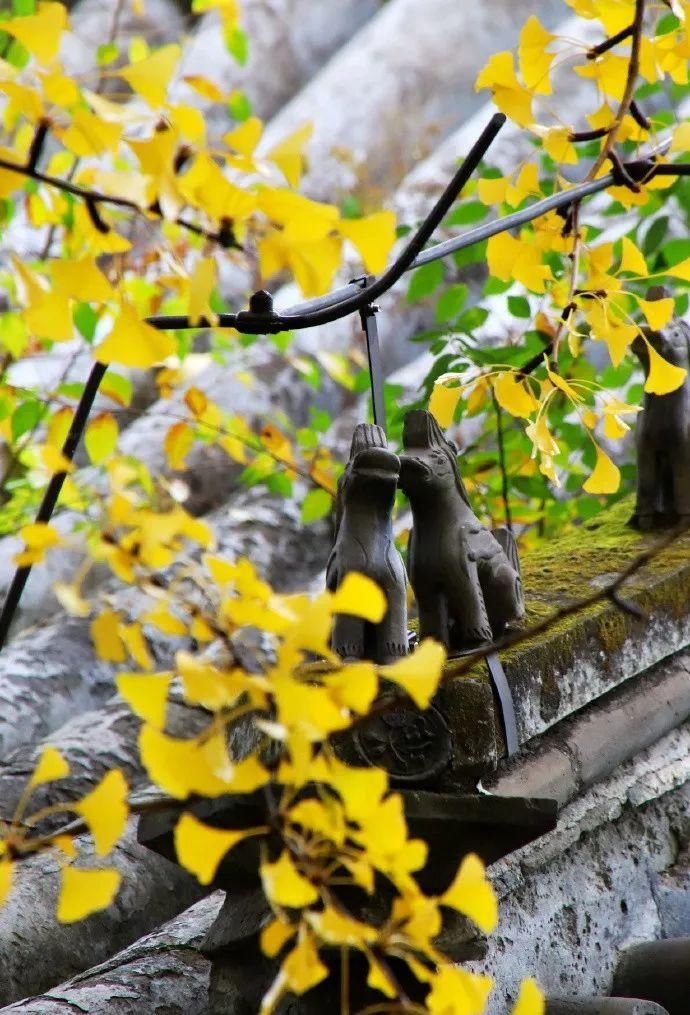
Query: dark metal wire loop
[{"x": 357, "y": 297}]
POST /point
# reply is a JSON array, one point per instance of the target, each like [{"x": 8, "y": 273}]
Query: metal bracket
[
  {"x": 370, "y": 327},
  {"x": 505, "y": 699}
]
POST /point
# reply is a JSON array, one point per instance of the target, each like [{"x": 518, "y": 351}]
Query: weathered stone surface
[
  {"x": 400, "y": 98},
  {"x": 573, "y": 899},
  {"x": 293, "y": 38},
  {"x": 36, "y": 952},
  {"x": 468, "y": 708},
  {"x": 163, "y": 972}
]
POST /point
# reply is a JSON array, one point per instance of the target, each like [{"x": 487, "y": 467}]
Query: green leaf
[
  {"x": 237, "y": 45},
  {"x": 655, "y": 235},
  {"x": 519, "y": 306},
  {"x": 425, "y": 281},
  {"x": 472, "y": 318},
  {"x": 86, "y": 319},
  {"x": 317, "y": 504},
  {"x": 25, "y": 417},
  {"x": 319, "y": 419},
  {"x": 239, "y": 106},
  {"x": 467, "y": 213},
  {"x": 107, "y": 53},
  {"x": 451, "y": 302}
]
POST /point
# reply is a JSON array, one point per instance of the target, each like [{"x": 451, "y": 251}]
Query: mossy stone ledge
[{"x": 582, "y": 656}]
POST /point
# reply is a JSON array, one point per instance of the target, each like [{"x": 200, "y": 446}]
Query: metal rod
[
  {"x": 50, "y": 497},
  {"x": 371, "y": 331}
]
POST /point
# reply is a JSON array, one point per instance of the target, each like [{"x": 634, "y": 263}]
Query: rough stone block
[
  {"x": 657, "y": 970},
  {"x": 469, "y": 709}
]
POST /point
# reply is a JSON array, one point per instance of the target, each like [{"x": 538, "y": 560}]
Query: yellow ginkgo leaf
[
  {"x": 146, "y": 694},
  {"x": 289, "y": 155},
  {"x": 471, "y": 894},
  {"x": 204, "y": 86},
  {"x": 513, "y": 394},
  {"x": 663, "y": 377},
  {"x": 178, "y": 442},
  {"x": 361, "y": 597},
  {"x": 202, "y": 282},
  {"x": 105, "y": 633},
  {"x": 443, "y": 403},
  {"x": 6, "y": 878},
  {"x": 151, "y": 76},
  {"x": 606, "y": 476},
  {"x": 100, "y": 437},
  {"x": 105, "y": 810},
  {"x": 39, "y": 537},
  {"x": 373, "y": 237},
  {"x": 200, "y": 847},
  {"x": 58, "y": 426},
  {"x": 680, "y": 270},
  {"x": 530, "y": 999},
  {"x": 681, "y": 137},
  {"x": 285, "y": 886},
  {"x": 512, "y": 259},
  {"x": 273, "y": 936},
  {"x": 657, "y": 312},
  {"x": 133, "y": 343},
  {"x": 354, "y": 687},
  {"x": 509, "y": 95},
  {"x": 83, "y": 892},
  {"x": 246, "y": 137},
  {"x": 558, "y": 145},
  {"x": 51, "y": 766},
  {"x": 53, "y": 459},
  {"x": 455, "y": 991},
  {"x": 419, "y": 673},
  {"x": 633, "y": 259},
  {"x": 163, "y": 619},
  {"x": 303, "y": 968},
  {"x": 534, "y": 60},
  {"x": 82, "y": 280},
  {"x": 360, "y": 789},
  {"x": 89, "y": 135},
  {"x": 41, "y": 33}
]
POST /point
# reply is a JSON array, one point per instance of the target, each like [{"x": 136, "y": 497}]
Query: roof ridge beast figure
[
  {"x": 662, "y": 433},
  {"x": 466, "y": 579},
  {"x": 364, "y": 542}
]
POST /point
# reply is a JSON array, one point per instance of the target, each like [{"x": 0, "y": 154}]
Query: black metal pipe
[
  {"x": 327, "y": 309},
  {"x": 50, "y": 497}
]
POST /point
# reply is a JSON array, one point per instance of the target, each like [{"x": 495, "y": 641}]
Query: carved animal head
[
  {"x": 428, "y": 462},
  {"x": 369, "y": 453},
  {"x": 371, "y": 472}
]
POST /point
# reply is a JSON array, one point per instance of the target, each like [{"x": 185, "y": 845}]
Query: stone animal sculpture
[
  {"x": 466, "y": 579},
  {"x": 663, "y": 434},
  {"x": 364, "y": 542}
]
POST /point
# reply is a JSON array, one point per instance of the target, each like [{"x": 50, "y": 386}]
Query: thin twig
[
  {"x": 93, "y": 198},
  {"x": 502, "y": 462}
]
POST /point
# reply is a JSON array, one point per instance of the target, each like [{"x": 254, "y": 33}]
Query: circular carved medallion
[{"x": 412, "y": 746}]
